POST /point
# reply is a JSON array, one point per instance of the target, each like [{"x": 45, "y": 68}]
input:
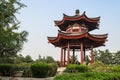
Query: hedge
[
  {"x": 6, "y": 69},
  {"x": 71, "y": 68},
  {"x": 52, "y": 69},
  {"x": 40, "y": 69},
  {"x": 25, "y": 67},
  {"x": 89, "y": 76}
]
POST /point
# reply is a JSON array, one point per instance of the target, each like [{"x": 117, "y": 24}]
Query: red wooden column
[
  {"x": 61, "y": 58},
  {"x": 82, "y": 54},
  {"x": 92, "y": 55},
  {"x": 68, "y": 57},
  {"x": 73, "y": 56},
  {"x": 64, "y": 56}
]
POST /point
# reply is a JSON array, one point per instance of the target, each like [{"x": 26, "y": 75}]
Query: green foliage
[
  {"x": 25, "y": 67},
  {"x": 89, "y": 76},
  {"x": 5, "y": 69},
  {"x": 11, "y": 40},
  {"x": 21, "y": 66},
  {"x": 52, "y": 69},
  {"x": 11, "y": 69},
  {"x": 116, "y": 68},
  {"x": 116, "y": 59},
  {"x": 58, "y": 63},
  {"x": 21, "y": 59},
  {"x": 76, "y": 68},
  {"x": 17, "y": 68},
  {"x": 96, "y": 71},
  {"x": 47, "y": 59},
  {"x": 104, "y": 56},
  {"x": 40, "y": 69},
  {"x": 28, "y": 59},
  {"x": 82, "y": 68},
  {"x": 107, "y": 57},
  {"x": 87, "y": 59},
  {"x": 73, "y": 59},
  {"x": 98, "y": 67}
]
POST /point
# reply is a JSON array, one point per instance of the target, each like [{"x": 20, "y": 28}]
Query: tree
[
  {"x": 19, "y": 59},
  {"x": 117, "y": 58},
  {"x": 49, "y": 59},
  {"x": 28, "y": 59},
  {"x": 11, "y": 40},
  {"x": 105, "y": 56}
]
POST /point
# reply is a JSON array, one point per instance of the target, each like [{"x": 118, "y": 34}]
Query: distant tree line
[
  {"x": 104, "y": 56},
  {"x": 107, "y": 57},
  {"x": 19, "y": 58}
]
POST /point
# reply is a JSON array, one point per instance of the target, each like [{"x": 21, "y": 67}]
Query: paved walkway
[{"x": 18, "y": 78}]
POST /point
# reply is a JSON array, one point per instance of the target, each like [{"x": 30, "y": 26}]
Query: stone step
[{"x": 60, "y": 70}]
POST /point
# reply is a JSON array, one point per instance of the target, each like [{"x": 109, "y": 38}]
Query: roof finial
[{"x": 77, "y": 12}]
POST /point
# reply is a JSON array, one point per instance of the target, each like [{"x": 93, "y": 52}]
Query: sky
[{"x": 39, "y": 15}]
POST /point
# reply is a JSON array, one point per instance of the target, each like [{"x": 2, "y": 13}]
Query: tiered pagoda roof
[
  {"x": 68, "y": 32},
  {"x": 91, "y": 23},
  {"x": 87, "y": 39},
  {"x": 73, "y": 35}
]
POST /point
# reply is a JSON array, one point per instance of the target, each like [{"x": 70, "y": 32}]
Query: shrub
[
  {"x": 76, "y": 68},
  {"x": 71, "y": 68},
  {"x": 82, "y": 68},
  {"x": 6, "y": 69},
  {"x": 116, "y": 68},
  {"x": 98, "y": 67},
  {"x": 40, "y": 69},
  {"x": 17, "y": 68},
  {"x": 52, "y": 69},
  {"x": 89, "y": 76},
  {"x": 25, "y": 67}
]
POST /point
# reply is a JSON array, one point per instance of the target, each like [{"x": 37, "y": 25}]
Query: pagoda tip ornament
[{"x": 77, "y": 12}]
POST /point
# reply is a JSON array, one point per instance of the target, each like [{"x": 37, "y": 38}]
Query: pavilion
[{"x": 73, "y": 35}]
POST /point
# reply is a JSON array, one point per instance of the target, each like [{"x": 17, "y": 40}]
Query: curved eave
[
  {"x": 95, "y": 18},
  {"x": 85, "y": 35},
  {"x": 76, "y": 18}
]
